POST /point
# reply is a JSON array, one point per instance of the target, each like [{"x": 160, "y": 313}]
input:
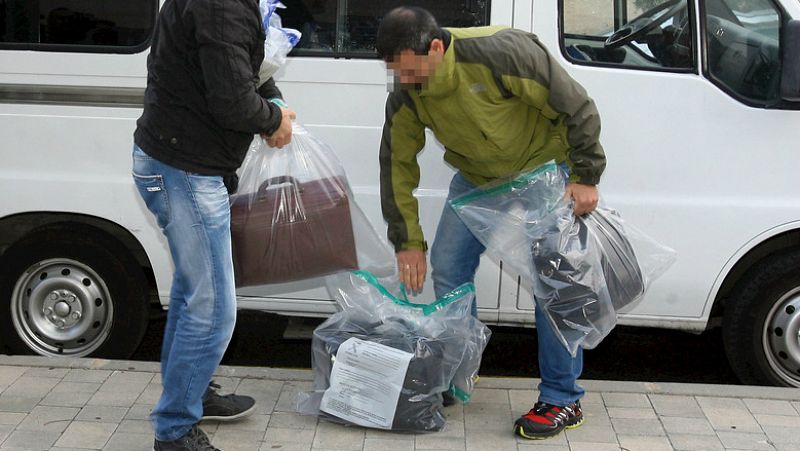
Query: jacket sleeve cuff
[
  {"x": 584, "y": 179},
  {"x": 418, "y": 245},
  {"x": 276, "y": 115},
  {"x": 278, "y": 101}
]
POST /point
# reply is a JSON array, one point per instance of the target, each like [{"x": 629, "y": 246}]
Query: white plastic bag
[
  {"x": 294, "y": 216},
  {"x": 279, "y": 41},
  {"x": 583, "y": 270}
]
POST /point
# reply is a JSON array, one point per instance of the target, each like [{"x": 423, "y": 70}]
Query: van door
[
  {"x": 338, "y": 87},
  {"x": 688, "y": 94}
]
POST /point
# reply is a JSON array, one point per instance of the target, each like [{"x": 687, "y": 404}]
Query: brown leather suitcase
[{"x": 290, "y": 231}]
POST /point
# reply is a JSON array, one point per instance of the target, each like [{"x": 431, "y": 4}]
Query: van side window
[
  {"x": 347, "y": 29},
  {"x": 743, "y": 42},
  {"x": 115, "y": 26},
  {"x": 636, "y": 34}
]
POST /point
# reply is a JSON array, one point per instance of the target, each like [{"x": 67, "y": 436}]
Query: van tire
[
  {"x": 761, "y": 322},
  {"x": 72, "y": 291}
]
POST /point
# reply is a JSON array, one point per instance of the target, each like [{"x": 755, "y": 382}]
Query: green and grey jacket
[{"x": 499, "y": 104}]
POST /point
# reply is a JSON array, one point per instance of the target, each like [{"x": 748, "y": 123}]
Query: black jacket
[{"x": 202, "y": 106}]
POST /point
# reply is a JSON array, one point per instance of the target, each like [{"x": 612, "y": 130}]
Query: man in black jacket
[{"x": 203, "y": 105}]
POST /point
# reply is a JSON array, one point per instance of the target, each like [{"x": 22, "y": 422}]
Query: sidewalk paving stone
[
  {"x": 644, "y": 443},
  {"x": 744, "y": 440},
  {"x": 31, "y": 387},
  {"x": 128, "y": 441},
  {"x": 139, "y": 412},
  {"x": 596, "y": 414},
  {"x": 627, "y": 400},
  {"x": 591, "y": 446},
  {"x": 591, "y": 433},
  {"x": 86, "y": 434},
  {"x": 686, "y": 425},
  {"x": 53, "y": 372},
  {"x": 94, "y": 404},
  {"x": 691, "y": 442},
  {"x": 770, "y": 407},
  {"x": 11, "y": 418},
  {"x": 632, "y": 413},
  {"x": 783, "y": 435},
  {"x": 628, "y": 426},
  {"x": 431, "y": 441},
  {"x": 778, "y": 420},
  {"x": 542, "y": 447},
  {"x": 102, "y": 414},
  {"x": 9, "y": 374},
  {"x": 50, "y": 419},
  {"x": 335, "y": 436},
  {"x": 373, "y": 444},
  {"x": 728, "y": 414},
  {"x": 499, "y": 440},
  {"x": 678, "y": 406},
  {"x": 5, "y": 431},
  {"x": 232, "y": 440},
  {"x": 301, "y": 436},
  {"x": 20, "y": 404},
  {"x": 135, "y": 427},
  {"x": 31, "y": 440},
  {"x": 87, "y": 375}
]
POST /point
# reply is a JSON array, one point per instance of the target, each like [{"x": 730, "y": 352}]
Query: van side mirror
[{"x": 790, "y": 64}]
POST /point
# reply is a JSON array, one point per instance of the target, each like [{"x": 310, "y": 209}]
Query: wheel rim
[
  {"x": 781, "y": 338},
  {"x": 61, "y": 307}
]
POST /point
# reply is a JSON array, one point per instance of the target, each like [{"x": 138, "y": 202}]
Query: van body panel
[
  {"x": 727, "y": 192},
  {"x": 688, "y": 163}
]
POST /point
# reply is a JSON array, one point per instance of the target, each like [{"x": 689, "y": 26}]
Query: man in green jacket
[{"x": 500, "y": 104}]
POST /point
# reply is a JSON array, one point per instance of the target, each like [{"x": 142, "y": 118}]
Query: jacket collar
[{"x": 444, "y": 80}]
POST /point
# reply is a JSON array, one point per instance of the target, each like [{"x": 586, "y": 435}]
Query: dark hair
[{"x": 406, "y": 28}]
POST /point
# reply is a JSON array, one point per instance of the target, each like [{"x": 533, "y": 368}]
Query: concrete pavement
[{"x": 92, "y": 404}]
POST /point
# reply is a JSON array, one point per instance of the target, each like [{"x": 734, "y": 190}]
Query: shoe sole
[
  {"x": 521, "y": 432},
  {"x": 229, "y": 417}
]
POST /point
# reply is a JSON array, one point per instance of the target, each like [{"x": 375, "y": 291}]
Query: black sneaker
[
  {"x": 225, "y": 408},
  {"x": 194, "y": 440},
  {"x": 546, "y": 420}
]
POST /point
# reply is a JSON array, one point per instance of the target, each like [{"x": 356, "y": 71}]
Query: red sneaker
[{"x": 546, "y": 420}]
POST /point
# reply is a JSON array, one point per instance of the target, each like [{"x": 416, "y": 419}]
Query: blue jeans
[
  {"x": 193, "y": 211},
  {"x": 455, "y": 255}
]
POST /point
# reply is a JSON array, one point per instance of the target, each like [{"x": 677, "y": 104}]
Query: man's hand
[
  {"x": 283, "y": 135},
  {"x": 411, "y": 264},
  {"x": 585, "y": 197}
]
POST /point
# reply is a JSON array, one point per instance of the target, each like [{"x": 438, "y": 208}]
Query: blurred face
[{"x": 411, "y": 70}]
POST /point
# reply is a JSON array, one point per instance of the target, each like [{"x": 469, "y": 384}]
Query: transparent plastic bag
[
  {"x": 358, "y": 292},
  {"x": 378, "y": 323},
  {"x": 583, "y": 270},
  {"x": 294, "y": 216},
  {"x": 279, "y": 41}
]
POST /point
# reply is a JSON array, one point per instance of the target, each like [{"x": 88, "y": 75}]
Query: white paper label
[{"x": 366, "y": 380}]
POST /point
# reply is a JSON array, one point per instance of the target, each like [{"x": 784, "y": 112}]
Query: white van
[{"x": 699, "y": 102}]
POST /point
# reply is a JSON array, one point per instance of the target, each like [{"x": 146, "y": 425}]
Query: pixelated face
[{"x": 411, "y": 70}]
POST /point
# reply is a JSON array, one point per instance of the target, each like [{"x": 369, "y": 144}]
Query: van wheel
[
  {"x": 761, "y": 325},
  {"x": 72, "y": 292}
]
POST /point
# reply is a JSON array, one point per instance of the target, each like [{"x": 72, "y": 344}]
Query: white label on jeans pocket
[{"x": 153, "y": 189}]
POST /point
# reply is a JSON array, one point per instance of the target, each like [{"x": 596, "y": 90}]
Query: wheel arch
[
  {"x": 787, "y": 238},
  {"x": 16, "y": 227}
]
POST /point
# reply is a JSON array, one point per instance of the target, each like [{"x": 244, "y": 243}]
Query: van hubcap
[
  {"x": 61, "y": 307},
  {"x": 782, "y": 338}
]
